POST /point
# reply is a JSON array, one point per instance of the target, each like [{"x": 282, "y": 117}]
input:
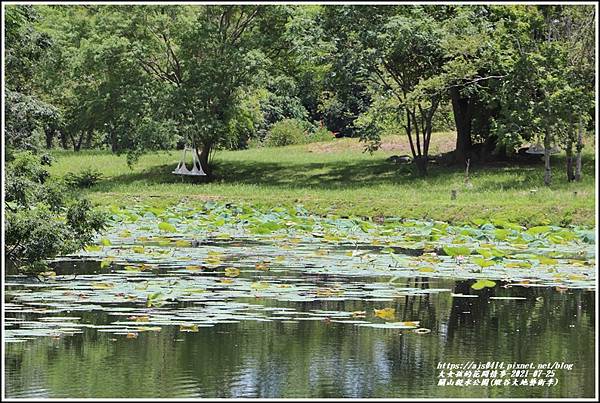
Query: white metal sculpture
[{"x": 182, "y": 168}]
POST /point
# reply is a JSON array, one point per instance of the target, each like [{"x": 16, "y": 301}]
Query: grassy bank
[{"x": 338, "y": 177}]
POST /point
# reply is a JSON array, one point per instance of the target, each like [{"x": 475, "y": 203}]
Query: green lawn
[{"x": 338, "y": 177}]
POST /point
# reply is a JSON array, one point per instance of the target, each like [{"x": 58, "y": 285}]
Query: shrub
[
  {"x": 321, "y": 134},
  {"x": 42, "y": 219},
  {"x": 84, "y": 179},
  {"x": 286, "y": 132},
  {"x": 254, "y": 143}
]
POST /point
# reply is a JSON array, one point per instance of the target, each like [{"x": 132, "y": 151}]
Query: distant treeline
[{"x": 146, "y": 77}]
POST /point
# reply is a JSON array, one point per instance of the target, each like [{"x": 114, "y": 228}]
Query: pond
[{"x": 230, "y": 301}]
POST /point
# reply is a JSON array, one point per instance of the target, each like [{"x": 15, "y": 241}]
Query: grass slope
[{"x": 337, "y": 177}]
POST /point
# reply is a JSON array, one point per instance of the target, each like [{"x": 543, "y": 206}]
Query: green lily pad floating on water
[
  {"x": 505, "y": 224},
  {"x": 546, "y": 260},
  {"x": 478, "y": 221},
  {"x": 195, "y": 286},
  {"x": 481, "y": 284},
  {"x": 483, "y": 262},
  {"x": 490, "y": 252},
  {"x": 501, "y": 234},
  {"x": 154, "y": 299},
  {"x": 168, "y": 227},
  {"x": 542, "y": 229},
  {"x": 456, "y": 250},
  {"x": 104, "y": 263},
  {"x": 265, "y": 228}
]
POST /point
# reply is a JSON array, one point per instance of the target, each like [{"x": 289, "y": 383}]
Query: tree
[
  {"x": 545, "y": 94},
  {"x": 401, "y": 56},
  {"x": 530, "y": 104},
  {"x": 95, "y": 79},
  {"x": 346, "y": 95},
  {"x": 143, "y": 78},
  {"x": 476, "y": 64},
  {"x": 209, "y": 55},
  {"x": 27, "y": 115},
  {"x": 574, "y": 28},
  {"x": 43, "y": 219}
]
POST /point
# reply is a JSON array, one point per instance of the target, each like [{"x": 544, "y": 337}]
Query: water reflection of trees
[
  {"x": 325, "y": 359},
  {"x": 539, "y": 329}
]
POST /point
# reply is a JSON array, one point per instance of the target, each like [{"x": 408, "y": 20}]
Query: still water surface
[{"x": 321, "y": 358}]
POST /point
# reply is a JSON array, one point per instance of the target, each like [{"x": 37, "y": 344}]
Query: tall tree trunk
[
  {"x": 203, "y": 156},
  {"x": 113, "y": 141},
  {"x": 63, "y": 140},
  {"x": 428, "y": 127},
  {"x": 421, "y": 159},
  {"x": 417, "y": 134},
  {"x": 548, "y": 169},
  {"x": 502, "y": 153},
  {"x": 77, "y": 141},
  {"x": 421, "y": 165},
  {"x": 49, "y": 131},
  {"x": 489, "y": 144},
  {"x": 73, "y": 141},
  {"x": 578, "y": 149},
  {"x": 88, "y": 139},
  {"x": 408, "y": 128},
  {"x": 569, "y": 152},
  {"x": 112, "y": 137},
  {"x": 462, "y": 119}
]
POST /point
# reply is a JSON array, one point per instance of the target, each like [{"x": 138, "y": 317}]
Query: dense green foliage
[
  {"x": 84, "y": 179},
  {"x": 286, "y": 132},
  {"x": 142, "y": 78},
  {"x": 27, "y": 114},
  {"x": 370, "y": 199},
  {"x": 136, "y": 79},
  {"x": 43, "y": 220}
]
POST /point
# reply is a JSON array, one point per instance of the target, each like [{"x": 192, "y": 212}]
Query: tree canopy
[{"x": 139, "y": 78}]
